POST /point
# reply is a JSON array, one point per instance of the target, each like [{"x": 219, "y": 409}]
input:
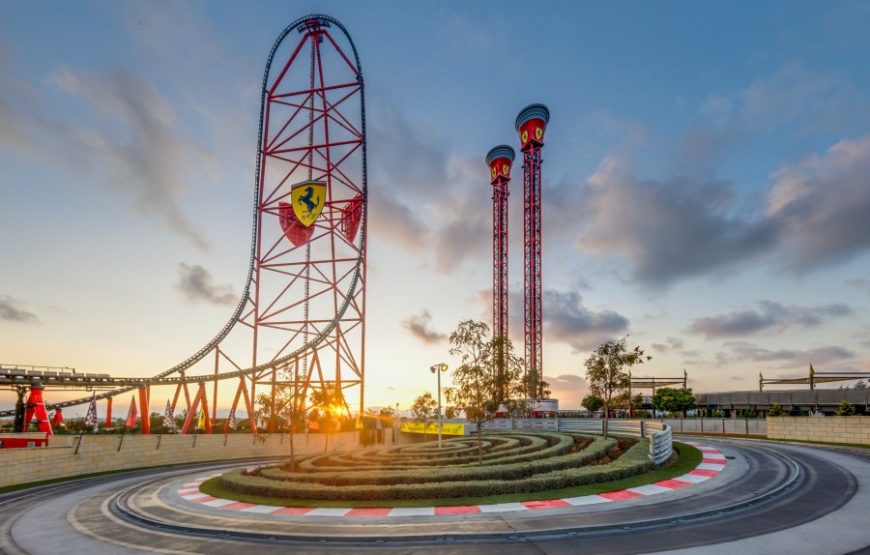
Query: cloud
[
  {"x": 795, "y": 93},
  {"x": 567, "y": 320},
  {"x": 427, "y": 201},
  {"x": 813, "y": 217},
  {"x": 390, "y": 220},
  {"x": 742, "y": 351},
  {"x": 195, "y": 282},
  {"x": 419, "y": 326},
  {"x": 12, "y": 311},
  {"x": 771, "y": 317},
  {"x": 147, "y": 157},
  {"x": 566, "y": 381},
  {"x": 133, "y": 142},
  {"x": 861, "y": 284},
  {"x": 667, "y": 229},
  {"x": 672, "y": 343},
  {"x": 820, "y": 205}
]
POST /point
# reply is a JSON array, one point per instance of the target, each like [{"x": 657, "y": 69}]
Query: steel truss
[{"x": 303, "y": 306}]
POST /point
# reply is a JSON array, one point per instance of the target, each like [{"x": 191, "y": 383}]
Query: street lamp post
[{"x": 437, "y": 369}]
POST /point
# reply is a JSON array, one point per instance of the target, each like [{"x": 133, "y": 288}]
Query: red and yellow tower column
[
  {"x": 531, "y": 123},
  {"x": 500, "y": 160}
]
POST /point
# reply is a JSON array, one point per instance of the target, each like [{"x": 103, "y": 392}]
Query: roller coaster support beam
[
  {"x": 146, "y": 415},
  {"x": 242, "y": 390},
  {"x": 272, "y": 415},
  {"x": 19, "y": 410},
  {"x": 36, "y": 407},
  {"x": 178, "y": 389},
  {"x": 214, "y": 401},
  {"x": 199, "y": 398}
]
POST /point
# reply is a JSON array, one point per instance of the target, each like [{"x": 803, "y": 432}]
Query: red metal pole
[
  {"x": 36, "y": 407},
  {"x": 204, "y": 396},
  {"x": 531, "y": 124},
  {"x": 191, "y": 414},
  {"x": 499, "y": 160},
  {"x": 146, "y": 416},
  {"x": 109, "y": 412},
  {"x": 217, "y": 354}
]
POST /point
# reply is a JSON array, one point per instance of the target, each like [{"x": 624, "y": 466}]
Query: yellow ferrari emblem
[
  {"x": 524, "y": 137},
  {"x": 493, "y": 171},
  {"x": 308, "y": 199},
  {"x": 539, "y": 133},
  {"x": 505, "y": 169}
]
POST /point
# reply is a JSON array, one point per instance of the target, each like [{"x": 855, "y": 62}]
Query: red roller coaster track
[{"x": 303, "y": 304}]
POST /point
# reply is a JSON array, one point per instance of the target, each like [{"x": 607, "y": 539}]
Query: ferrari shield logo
[{"x": 308, "y": 198}]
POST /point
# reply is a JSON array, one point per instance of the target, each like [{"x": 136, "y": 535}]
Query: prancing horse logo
[{"x": 307, "y": 199}]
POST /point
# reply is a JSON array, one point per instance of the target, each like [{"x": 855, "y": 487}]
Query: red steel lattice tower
[
  {"x": 499, "y": 160},
  {"x": 531, "y": 124},
  {"x": 310, "y": 207}
]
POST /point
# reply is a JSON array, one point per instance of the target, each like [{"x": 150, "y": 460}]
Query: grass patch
[{"x": 689, "y": 457}]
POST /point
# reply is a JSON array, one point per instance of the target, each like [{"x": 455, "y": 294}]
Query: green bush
[
  {"x": 776, "y": 410},
  {"x": 517, "y": 470},
  {"x": 634, "y": 461}
]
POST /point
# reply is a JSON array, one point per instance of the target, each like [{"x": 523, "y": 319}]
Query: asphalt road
[{"x": 818, "y": 503}]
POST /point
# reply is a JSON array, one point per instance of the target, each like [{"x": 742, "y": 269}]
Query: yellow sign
[
  {"x": 447, "y": 429},
  {"x": 308, "y": 199}
]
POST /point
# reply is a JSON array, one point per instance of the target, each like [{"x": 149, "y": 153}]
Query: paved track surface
[{"x": 817, "y": 502}]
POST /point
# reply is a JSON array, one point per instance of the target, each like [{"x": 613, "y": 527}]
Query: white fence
[{"x": 741, "y": 426}]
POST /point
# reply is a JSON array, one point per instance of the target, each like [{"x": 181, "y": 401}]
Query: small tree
[
  {"x": 592, "y": 403},
  {"x": 424, "y": 409},
  {"x": 329, "y": 401},
  {"x": 606, "y": 371},
  {"x": 776, "y": 410},
  {"x": 861, "y": 385},
  {"x": 672, "y": 399},
  {"x": 488, "y": 375},
  {"x": 845, "y": 409}
]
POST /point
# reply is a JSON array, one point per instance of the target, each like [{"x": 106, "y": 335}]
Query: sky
[{"x": 706, "y": 181}]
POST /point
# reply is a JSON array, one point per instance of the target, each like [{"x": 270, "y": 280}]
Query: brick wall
[
  {"x": 99, "y": 453},
  {"x": 832, "y": 429}
]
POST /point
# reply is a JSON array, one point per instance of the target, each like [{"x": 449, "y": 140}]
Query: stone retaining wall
[
  {"x": 832, "y": 429},
  {"x": 100, "y": 453}
]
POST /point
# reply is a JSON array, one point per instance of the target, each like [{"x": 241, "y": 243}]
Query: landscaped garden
[{"x": 509, "y": 466}]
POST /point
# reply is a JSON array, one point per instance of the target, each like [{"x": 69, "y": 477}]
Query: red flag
[
  {"x": 57, "y": 418},
  {"x": 132, "y": 414}
]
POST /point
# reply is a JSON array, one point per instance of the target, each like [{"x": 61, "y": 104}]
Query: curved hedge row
[{"x": 554, "y": 467}]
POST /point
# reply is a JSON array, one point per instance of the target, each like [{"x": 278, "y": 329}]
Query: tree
[
  {"x": 424, "y": 409},
  {"x": 592, "y": 403},
  {"x": 329, "y": 402},
  {"x": 672, "y": 399},
  {"x": 289, "y": 407},
  {"x": 606, "y": 371},
  {"x": 776, "y": 410},
  {"x": 845, "y": 409},
  {"x": 489, "y": 374},
  {"x": 861, "y": 384}
]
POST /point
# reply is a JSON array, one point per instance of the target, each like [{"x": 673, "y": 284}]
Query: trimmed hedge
[
  {"x": 517, "y": 470},
  {"x": 554, "y": 472}
]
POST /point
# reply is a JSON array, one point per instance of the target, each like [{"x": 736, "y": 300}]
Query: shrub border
[{"x": 689, "y": 458}]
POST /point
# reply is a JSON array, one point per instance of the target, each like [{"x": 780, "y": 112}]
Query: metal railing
[{"x": 659, "y": 433}]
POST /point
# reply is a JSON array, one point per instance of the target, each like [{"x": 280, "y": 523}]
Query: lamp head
[{"x": 440, "y": 367}]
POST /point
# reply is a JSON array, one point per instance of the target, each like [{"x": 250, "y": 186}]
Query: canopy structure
[{"x": 813, "y": 378}]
